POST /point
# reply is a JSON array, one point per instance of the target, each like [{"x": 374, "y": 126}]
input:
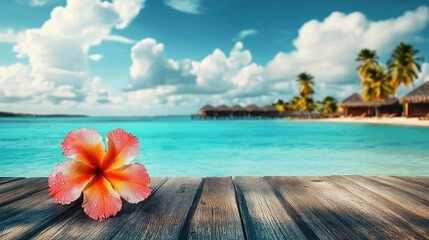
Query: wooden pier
[{"x": 332, "y": 207}]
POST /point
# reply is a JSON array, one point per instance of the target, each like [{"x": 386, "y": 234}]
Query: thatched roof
[
  {"x": 269, "y": 108},
  {"x": 356, "y": 100},
  {"x": 418, "y": 95},
  {"x": 236, "y": 108},
  {"x": 222, "y": 108},
  {"x": 252, "y": 108},
  {"x": 207, "y": 108}
]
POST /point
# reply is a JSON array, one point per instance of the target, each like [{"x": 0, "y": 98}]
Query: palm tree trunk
[{"x": 375, "y": 108}]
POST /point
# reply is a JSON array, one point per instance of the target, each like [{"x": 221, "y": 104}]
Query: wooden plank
[
  {"x": 416, "y": 189},
  {"x": 70, "y": 226},
  {"x": 354, "y": 214},
  {"x": 424, "y": 181},
  {"x": 313, "y": 211},
  {"x": 165, "y": 214},
  {"x": 22, "y": 188},
  {"x": 9, "y": 179},
  {"x": 415, "y": 222},
  {"x": 12, "y": 185},
  {"x": 403, "y": 198},
  {"x": 263, "y": 215},
  {"x": 217, "y": 215},
  {"x": 29, "y": 215},
  {"x": 21, "y": 205}
]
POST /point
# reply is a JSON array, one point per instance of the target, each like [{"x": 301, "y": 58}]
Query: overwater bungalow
[
  {"x": 207, "y": 111},
  {"x": 270, "y": 111},
  {"x": 253, "y": 111},
  {"x": 237, "y": 111},
  {"x": 416, "y": 103},
  {"x": 223, "y": 110},
  {"x": 354, "y": 105}
]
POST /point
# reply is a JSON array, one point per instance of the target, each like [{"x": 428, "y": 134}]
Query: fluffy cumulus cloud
[
  {"x": 151, "y": 67},
  {"x": 16, "y": 87},
  {"x": 58, "y": 54},
  {"x": 58, "y": 51},
  {"x": 156, "y": 76},
  {"x": 8, "y": 35},
  {"x": 326, "y": 49}
]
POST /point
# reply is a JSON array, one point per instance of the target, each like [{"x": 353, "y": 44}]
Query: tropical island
[{"x": 378, "y": 99}]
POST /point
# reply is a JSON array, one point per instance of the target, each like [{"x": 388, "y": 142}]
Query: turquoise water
[{"x": 178, "y": 146}]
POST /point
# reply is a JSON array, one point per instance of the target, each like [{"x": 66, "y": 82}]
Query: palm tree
[
  {"x": 305, "y": 103},
  {"x": 329, "y": 105},
  {"x": 294, "y": 103},
  {"x": 280, "y": 105},
  {"x": 376, "y": 87},
  {"x": 305, "y": 84},
  {"x": 368, "y": 59},
  {"x": 403, "y": 65}
]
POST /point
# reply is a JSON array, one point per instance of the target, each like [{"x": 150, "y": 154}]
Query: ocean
[{"x": 179, "y": 146}]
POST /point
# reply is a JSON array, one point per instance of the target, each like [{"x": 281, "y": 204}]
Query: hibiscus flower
[{"x": 103, "y": 177}]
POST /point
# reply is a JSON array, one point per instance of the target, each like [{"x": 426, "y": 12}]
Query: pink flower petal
[
  {"x": 67, "y": 180},
  {"x": 131, "y": 181},
  {"x": 100, "y": 200},
  {"x": 122, "y": 149},
  {"x": 84, "y": 144}
]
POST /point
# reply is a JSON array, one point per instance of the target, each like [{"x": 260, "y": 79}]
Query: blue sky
[{"x": 158, "y": 57}]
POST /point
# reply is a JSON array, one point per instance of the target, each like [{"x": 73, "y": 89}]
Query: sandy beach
[{"x": 387, "y": 121}]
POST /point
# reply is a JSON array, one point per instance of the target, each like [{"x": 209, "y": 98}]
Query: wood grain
[
  {"x": 165, "y": 213},
  {"x": 217, "y": 215},
  {"x": 25, "y": 217},
  {"x": 15, "y": 190},
  {"x": 354, "y": 213},
  {"x": 332, "y": 207},
  {"x": 413, "y": 188},
  {"x": 8, "y": 179},
  {"x": 401, "y": 215},
  {"x": 400, "y": 197},
  {"x": 424, "y": 181},
  {"x": 263, "y": 215},
  {"x": 319, "y": 217},
  {"x": 71, "y": 226}
]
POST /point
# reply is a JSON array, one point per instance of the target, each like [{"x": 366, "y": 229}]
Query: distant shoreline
[
  {"x": 11, "y": 114},
  {"x": 398, "y": 121}
]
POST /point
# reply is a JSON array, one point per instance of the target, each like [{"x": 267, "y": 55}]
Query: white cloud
[
  {"x": 59, "y": 72},
  {"x": 58, "y": 51},
  {"x": 95, "y": 57},
  {"x": 127, "y": 10},
  {"x": 120, "y": 39},
  {"x": 186, "y": 6},
  {"x": 8, "y": 35},
  {"x": 151, "y": 67},
  {"x": 327, "y": 49},
  {"x": 17, "y": 84},
  {"x": 217, "y": 73},
  {"x": 245, "y": 33}
]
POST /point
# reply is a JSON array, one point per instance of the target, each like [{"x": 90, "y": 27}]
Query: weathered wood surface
[{"x": 332, "y": 207}]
